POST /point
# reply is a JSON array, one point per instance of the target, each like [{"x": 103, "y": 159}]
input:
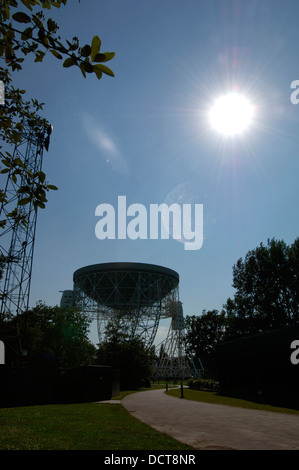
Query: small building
[
  {"x": 88, "y": 384},
  {"x": 23, "y": 387},
  {"x": 261, "y": 366}
]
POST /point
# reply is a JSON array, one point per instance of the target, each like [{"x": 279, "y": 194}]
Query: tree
[
  {"x": 50, "y": 336},
  {"x": 31, "y": 33},
  {"x": 41, "y": 32},
  {"x": 129, "y": 355},
  {"x": 267, "y": 289},
  {"x": 266, "y": 298},
  {"x": 203, "y": 333}
]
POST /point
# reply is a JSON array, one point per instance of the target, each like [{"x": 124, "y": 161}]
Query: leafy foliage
[
  {"x": 204, "y": 384},
  {"x": 267, "y": 289},
  {"x": 129, "y": 355},
  {"x": 266, "y": 298},
  {"x": 205, "y": 332},
  {"x": 40, "y": 36},
  {"x": 30, "y": 33},
  {"x": 51, "y": 336}
]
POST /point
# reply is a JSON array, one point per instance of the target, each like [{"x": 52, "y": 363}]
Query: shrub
[{"x": 203, "y": 384}]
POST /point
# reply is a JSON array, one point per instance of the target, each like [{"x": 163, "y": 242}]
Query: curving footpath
[{"x": 210, "y": 427}]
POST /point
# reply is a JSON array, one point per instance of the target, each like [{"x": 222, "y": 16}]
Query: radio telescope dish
[{"x": 137, "y": 295}]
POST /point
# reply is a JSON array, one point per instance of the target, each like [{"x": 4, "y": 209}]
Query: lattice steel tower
[
  {"x": 17, "y": 239},
  {"x": 173, "y": 360}
]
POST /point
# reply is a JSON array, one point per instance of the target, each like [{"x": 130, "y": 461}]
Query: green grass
[
  {"x": 91, "y": 426},
  {"x": 87, "y": 426},
  {"x": 214, "y": 398}
]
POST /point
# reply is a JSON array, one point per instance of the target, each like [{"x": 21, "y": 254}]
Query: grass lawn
[
  {"x": 213, "y": 397},
  {"x": 87, "y": 426},
  {"x": 91, "y": 426}
]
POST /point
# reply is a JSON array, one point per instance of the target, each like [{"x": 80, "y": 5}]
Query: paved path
[{"x": 206, "y": 426}]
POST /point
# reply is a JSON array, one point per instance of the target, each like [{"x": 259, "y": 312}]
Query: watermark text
[
  {"x": 182, "y": 222},
  {"x": 295, "y": 354},
  {"x": 2, "y": 93},
  {"x": 2, "y": 353}
]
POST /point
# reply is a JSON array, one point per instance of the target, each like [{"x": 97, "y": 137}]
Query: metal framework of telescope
[
  {"x": 17, "y": 239},
  {"x": 173, "y": 360},
  {"x": 135, "y": 295}
]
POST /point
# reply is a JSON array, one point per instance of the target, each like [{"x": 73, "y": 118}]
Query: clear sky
[{"x": 145, "y": 134}]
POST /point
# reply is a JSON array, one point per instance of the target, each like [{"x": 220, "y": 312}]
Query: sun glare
[{"x": 231, "y": 114}]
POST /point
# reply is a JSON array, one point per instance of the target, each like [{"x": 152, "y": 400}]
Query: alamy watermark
[
  {"x": 183, "y": 222},
  {"x": 295, "y": 354},
  {"x": 2, "y": 93},
  {"x": 2, "y": 353},
  {"x": 294, "y": 95}
]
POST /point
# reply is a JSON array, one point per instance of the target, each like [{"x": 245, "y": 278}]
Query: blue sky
[{"x": 145, "y": 134}]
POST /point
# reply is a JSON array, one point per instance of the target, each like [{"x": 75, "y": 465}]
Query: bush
[{"x": 203, "y": 384}]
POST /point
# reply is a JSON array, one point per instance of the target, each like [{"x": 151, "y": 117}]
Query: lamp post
[{"x": 182, "y": 389}]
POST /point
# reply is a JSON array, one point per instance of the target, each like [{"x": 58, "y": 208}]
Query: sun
[{"x": 231, "y": 114}]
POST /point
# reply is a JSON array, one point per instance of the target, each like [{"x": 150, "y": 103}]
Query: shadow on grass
[
  {"x": 233, "y": 400},
  {"x": 275, "y": 402}
]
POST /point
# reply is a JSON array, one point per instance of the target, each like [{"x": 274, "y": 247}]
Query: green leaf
[
  {"x": 56, "y": 54},
  {"x": 37, "y": 22},
  {"x": 6, "y": 162},
  {"x": 7, "y": 11},
  {"x": 42, "y": 197},
  {"x": 28, "y": 3},
  {"x": 98, "y": 73},
  {"x": 99, "y": 58},
  {"x": 45, "y": 42},
  {"x": 19, "y": 162},
  {"x": 69, "y": 62},
  {"x": 104, "y": 57},
  {"x": 21, "y": 17},
  {"x": 72, "y": 46},
  {"x": 86, "y": 50},
  {"x": 24, "y": 189},
  {"x": 46, "y": 4},
  {"x": 52, "y": 187},
  {"x": 24, "y": 201},
  {"x": 27, "y": 33},
  {"x": 82, "y": 70},
  {"x": 95, "y": 47},
  {"x": 39, "y": 56},
  {"x": 103, "y": 69},
  {"x": 41, "y": 176},
  {"x": 51, "y": 25},
  {"x": 88, "y": 67}
]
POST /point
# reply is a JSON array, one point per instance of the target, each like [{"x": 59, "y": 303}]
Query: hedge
[{"x": 203, "y": 384}]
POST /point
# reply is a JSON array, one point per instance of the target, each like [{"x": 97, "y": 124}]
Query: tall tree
[
  {"x": 203, "y": 333},
  {"x": 266, "y": 298},
  {"x": 50, "y": 336},
  {"x": 129, "y": 355},
  {"x": 267, "y": 289}
]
